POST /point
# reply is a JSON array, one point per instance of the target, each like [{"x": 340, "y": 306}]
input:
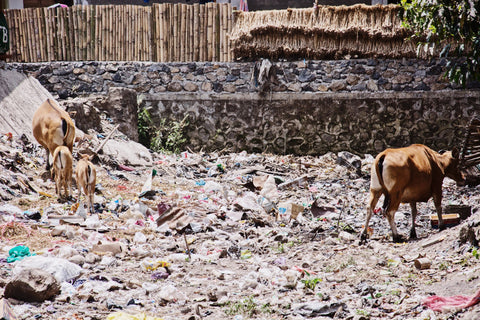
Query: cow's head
[{"x": 452, "y": 166}]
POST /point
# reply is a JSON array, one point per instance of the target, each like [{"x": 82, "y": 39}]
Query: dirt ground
[{"x": 220, "y": 252}]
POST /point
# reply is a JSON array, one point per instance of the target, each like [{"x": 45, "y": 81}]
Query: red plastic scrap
[
  {"x": 437, "y": 303},
  {"x": 162, "y": 207},
  {"x": 125, "y": 168}
]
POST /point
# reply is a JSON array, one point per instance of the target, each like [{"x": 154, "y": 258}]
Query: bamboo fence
[
  {"x": 162, "y": 32},
  {"x": 170, "y": 32}
]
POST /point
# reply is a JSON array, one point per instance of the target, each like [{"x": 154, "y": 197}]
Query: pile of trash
[{"x": 224, "y": 235}]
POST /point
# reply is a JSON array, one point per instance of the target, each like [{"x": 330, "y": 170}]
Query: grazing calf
[
  {"x": 410, "y": 175},
  {"x": 86, "y": 176},
  {"x": 53, "y": 127},
  {"x": 62, "y": 170}
]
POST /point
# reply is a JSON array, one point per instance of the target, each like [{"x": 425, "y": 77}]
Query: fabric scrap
[{"x": 454, "y": 303}]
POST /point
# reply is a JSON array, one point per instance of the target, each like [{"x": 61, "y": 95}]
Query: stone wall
[{"x": 310, "y": 107}]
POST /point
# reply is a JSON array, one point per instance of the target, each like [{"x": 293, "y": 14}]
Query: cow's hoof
[
  {"x": 413, "y": 234},
  {"x": 441, "y": 227},
  {"x": 363, "y": 238},
  {"x": 398, "y": 239}
]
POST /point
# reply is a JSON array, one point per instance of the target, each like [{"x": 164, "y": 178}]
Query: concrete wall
[{"x": 362, "y": 106}]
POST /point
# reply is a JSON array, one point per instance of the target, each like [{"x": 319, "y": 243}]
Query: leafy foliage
[
  {"x": 168, "y": 136},
  {"x": 451, "y": 27}
]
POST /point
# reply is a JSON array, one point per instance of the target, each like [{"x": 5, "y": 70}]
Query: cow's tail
[
  {"x": 379, "y": 169},
  {"x": 89, "y": 177},
  {"x": 65, "y": 129},
  {"x": 65, "y": 126},
  {"x": 59, "y": 159}
]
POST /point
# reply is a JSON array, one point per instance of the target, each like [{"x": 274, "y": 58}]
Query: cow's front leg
[
  {"x": 413, "y": 233},
  {"x": 437, "y": 200}
]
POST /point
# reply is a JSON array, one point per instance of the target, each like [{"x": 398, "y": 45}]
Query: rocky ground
[{"x": 212, "y": 237}]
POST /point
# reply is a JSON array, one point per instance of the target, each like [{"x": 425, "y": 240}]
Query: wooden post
[
  {"x": 160, "y": 39},
  {"x": 203, "y": 35},
  {"x": 210, "y": 31},
  {"x": 216, "y": 34},
  {"x": 229, "y": 30},
  {"x": 175, "y": 32},
  {"x": 103, "y": 37},
  {"x": 195, "y": 32},
  {"x": 225, "y": 31},
  {"x": 96, "y": 52},
  {"x": 52, "y": 28},
  {"x": 31, "y": 47},
  {"x": 183, "y": 19},
  {"x": 170, "y": 34},
  {"x": 111, "y": 37},
  {"x": 83, "y": 34},
  {"x": 128, "y": 30},
  {"x": 120, "y": 30}
]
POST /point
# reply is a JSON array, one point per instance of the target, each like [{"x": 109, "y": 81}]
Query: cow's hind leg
[
  {"x": 374, "y": 196},
  {"x": 47, "y": 156},
  {"x": 413, "y": 233},
  {"x": 390, "y": 210}
]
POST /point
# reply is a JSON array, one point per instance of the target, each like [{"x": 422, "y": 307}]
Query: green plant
[
  {"x": 362, "y": 312},
  {"x": 146, "y": 129},
  {"x": 167, "y": 136},
  {"x": 443, "y": 266},
  {"x": 247, "y": 306},
  {"x": 395, "y": 293},
  {"x": 280, "y": 248},
  {"x": 310, "y": 283},
  {"x": 475, "y": 253},
  {"x": 451, "y": 26}
]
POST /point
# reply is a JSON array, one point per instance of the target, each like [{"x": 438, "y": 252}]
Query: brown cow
[
  {"x": 62, "y": 170},
  {"x": 86, "y": 176},
  {"x": 410, "y": 175},
  {"x": 53, "y": 127}
]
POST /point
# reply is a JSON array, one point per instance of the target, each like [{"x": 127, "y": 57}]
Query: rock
[
  {"x": 86, "y": 116},
  {"x": 295, "y": 87},
  {"x": 112, "y": 247},
  {"x": 352, "y": 79},
  {"x": 32, "y": 285},
  {"x": 207, "y": 86},
  {"x": 190, "y": 87},
  {"x": 128, "y": 152},
  {"x": 306, "y": 76},
  {"x": 77, "y": 259},
  {"x": 372, "y": 86},
  {"x": 121, "y": 105},
  {"x": 61, "y": 269},
  {"x": 337, "y": 86},
  {"x": 402, "y": 79},
  {"x": 318, "y": 309},
  {"x": 351, "y": 161},
  {"x": 92, "y": 258},
  {"x": 231, "y": 88},
  {"x": 174, "y": 87}
]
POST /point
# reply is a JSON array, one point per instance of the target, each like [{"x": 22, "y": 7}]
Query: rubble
[{"x": 226, "y": 235}]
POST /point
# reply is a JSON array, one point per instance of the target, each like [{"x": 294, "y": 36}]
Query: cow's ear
[{"x": 455, "y": 153}]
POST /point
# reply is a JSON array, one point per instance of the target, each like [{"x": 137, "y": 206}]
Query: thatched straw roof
[{"x": 328, "y": 32}]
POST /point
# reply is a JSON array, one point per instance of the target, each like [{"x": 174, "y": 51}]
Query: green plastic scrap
[{"x": 18, "y": 253}]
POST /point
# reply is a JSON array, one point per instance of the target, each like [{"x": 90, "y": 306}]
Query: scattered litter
[{"x": 237, "y": 235}]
